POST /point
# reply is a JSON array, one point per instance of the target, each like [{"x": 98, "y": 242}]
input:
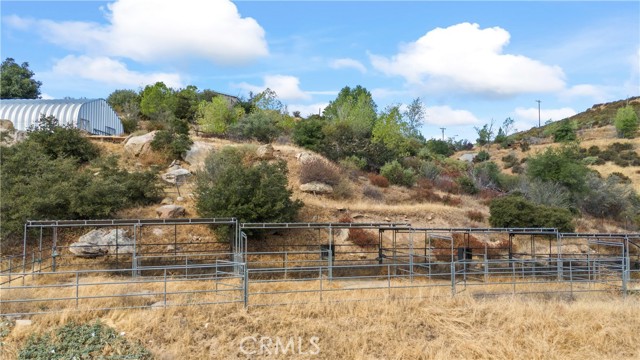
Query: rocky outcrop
[
  {"x": 468, "y": 157},
  {"x": 316, "y": 188},
  {"x": 170, "y": 211},
  {"x": 198, "y": 153},
  {"x": 266, "y": 152},
  {"x": 102, "y": 242},
  {"x": 176, "y": 175},
  {"x": 305, "y": 157},
  {"x": 138, "y": 145}
]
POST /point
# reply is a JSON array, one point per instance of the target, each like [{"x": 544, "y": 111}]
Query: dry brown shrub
[
  {"x": 475, "y": 215},
  {"x": 378, "y": 180},
  {"x": 320, "y": 170},
  {"x": 359, "y": 237}
]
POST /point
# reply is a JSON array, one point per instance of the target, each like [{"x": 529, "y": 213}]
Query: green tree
[
  {"x": 157, "y": 102},
  {"x": 626, "y": 122},
  {"x": 268, "y": 100},
  {"x": 397, "y": 174},
  {"x": 217, "y": 116},
  {"x": 562, "y": 165},
  {"x": 355, "y": 107},
  {"x": 173, "y": 141},
  {"x": 232, "y": 186},
  {"x": 186, "y": 103},
  {"x": 389, "y": 129},
  {"x": 413, "y": 117},
  {"x": 485, "y": 133},
  {"x": 16, "y": 81},
  {"x": 127, "y": 104}
]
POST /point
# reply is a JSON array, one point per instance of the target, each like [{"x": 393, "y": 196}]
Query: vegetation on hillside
[{"x": 57, "y": 173}]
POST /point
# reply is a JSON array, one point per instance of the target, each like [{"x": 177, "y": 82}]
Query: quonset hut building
[{"x": 92, "y": 115}]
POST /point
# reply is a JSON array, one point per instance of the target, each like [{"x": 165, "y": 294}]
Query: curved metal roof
[{"x": 92, "y": 115}]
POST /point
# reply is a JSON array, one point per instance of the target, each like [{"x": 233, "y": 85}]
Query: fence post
[
  {"x": 320, "y": 277},
  {"x": 246, "y": 286},
  {"x": 77, "y": 290},
  {"x": 513, "y": 275},
  {"x": 453, "y": 279},
  {"x": 165, "y": 288},
  {"x": 389, "y": 278}
]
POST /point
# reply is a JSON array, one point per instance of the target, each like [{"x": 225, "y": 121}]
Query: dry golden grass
[{"x": 390, "y": 327}]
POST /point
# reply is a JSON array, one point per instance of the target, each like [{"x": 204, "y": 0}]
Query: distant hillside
[{"x": 598, "y": 115}]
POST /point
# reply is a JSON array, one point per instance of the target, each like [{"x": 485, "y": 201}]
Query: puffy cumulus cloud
[
  {"x": 154, "y": 30},
  {"x": 108, "y": 71},
  {"x": 531, "y": 114},
  {"x": 307, "y": 110},
  {"x": 287, "y": 87},
  {"x": 444, "y": 115},
  {"x": 347, "y": 63},
  {"x": 469, "y": 59}
]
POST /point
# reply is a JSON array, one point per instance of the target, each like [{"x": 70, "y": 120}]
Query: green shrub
[
  {"x": 517, "y": 212},
  {"x": 626, "y": 122},
  {"x": 398, "y": 175},
  {"x": 565, "y": 131},
  {"x": 525, "y": 146},
  {"x": 62, "y": 141},
  {"x": 430, "y": 170},
  {"x": 34, "y": 186},
  {"x": 342, "y": 190},
  {"x": 609, "y": 198},
  {"x": 261, "y": 126},
  {"x": 482, "y": 156},
  {"x": 82, "y": 341},
  {"x": 231, "y": 186},
  {"x": 353, "y": 163},
  {"x": 467, "y": 185},
  {"x": 308, "y": 134},
  {"x": 562, "y": 165},
  {"x": 509, "y": 160}
]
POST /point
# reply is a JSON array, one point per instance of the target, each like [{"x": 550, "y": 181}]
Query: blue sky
[{"x": 469, "y": 62}]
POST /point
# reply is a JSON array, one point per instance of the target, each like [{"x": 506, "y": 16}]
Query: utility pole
[
  {"x": 538, "y": 101},
  {"x": 442, "y": 133}
]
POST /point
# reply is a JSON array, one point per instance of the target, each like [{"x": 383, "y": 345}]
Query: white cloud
[
  {"x": 307, "y": 110},
  {"x": 468, "y": 59},
  {"x": 545, "y": 114},
  {"x": 378, "y": 93},
  {"x": 108, "y": 71},
  {"x": 287, "y": 87},
  {"x": 154, "y": 30},
  {"x": 45, "y": 96},
  {"x": 584, "y": 90},
  {"x": 347, "y": 63},
  {"x": 444, "y": 115}
]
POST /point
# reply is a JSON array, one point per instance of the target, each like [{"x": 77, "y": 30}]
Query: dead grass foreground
[{"x": 389, "y": 328}]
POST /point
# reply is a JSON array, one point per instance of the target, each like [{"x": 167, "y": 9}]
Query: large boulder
[
  {"x": 305, "y": 157},
  {"x": 198, "y": 153},
  {"x": 176, "y": 175},
  {"x": 316, "y": 187},
  {"x": 170, "y": 211},
  {"x": 266, "y": 152},
  {"x": 138, "y": 145},
  {"x": 102, "y": 242},
  {"x": 468, "y": 157}
]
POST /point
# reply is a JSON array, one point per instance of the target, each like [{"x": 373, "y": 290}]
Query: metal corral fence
[{"x": 401, "y": 262}]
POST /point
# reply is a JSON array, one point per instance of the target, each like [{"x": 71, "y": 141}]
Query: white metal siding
[{"x": 98, "y": 113}]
